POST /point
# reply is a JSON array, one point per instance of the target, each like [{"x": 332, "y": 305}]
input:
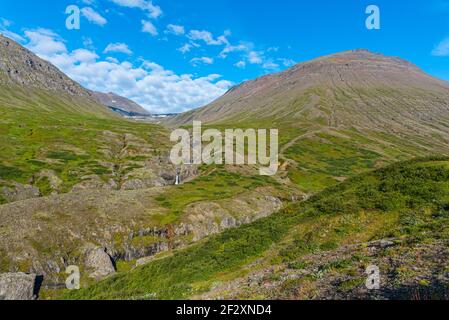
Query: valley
[{"x": 80, "y": 185}]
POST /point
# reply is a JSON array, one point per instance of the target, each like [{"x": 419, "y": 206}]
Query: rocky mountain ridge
[
  {"x": 19, "y": 66},
  {"x": 353, "y": 88}
]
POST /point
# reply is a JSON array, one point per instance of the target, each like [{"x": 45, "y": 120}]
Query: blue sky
[{"x": 173, "y": 55}]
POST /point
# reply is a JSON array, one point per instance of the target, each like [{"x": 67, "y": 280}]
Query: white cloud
[
  {"x": 247, "y": 52},
  {"x": 12, "y": 35},
  {"x": 185, "y": 48},
  {"x": 5, "y": 22},
  {"x": 240, "y": 64},
  {"x": 112, "y": 59},
  {"x": 149, "y": 84},
  {"x": 250, "y": 56},
  {"x": 84, "y": 55},
  {"x": 118, "y": 47},
  {"x": 92, "y": 16},
  {"x": 442, "y": 49},
  {"x": 149, "y": 27},
  {"x": 270, "y": 65},
  {"x": 152, "y": 10},
  {"x": 175, "y": 29},
  {"x": 45, "y": 42},
  {"x": 88, "y": 42},
  {"x": 255, "y": 57},
  {"x": 230, "y": 48},
  {"x": 208, "y": 38},
  {"x": 205, "y": 60},
  {"x": 287, "y": 62}
]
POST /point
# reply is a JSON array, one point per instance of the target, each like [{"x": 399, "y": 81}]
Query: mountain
[
  {"x": 82, "y": 186},
  {"x": 339, "y": 115},
  {"x": 354, "y": 88},
  {"x": 75, "y": 179},
  {"x": 120, "y": 104},
  {"x": 56, "y": 137},
  {"x": 31, "y": 82},
  {"x": 20, "y": 66}
]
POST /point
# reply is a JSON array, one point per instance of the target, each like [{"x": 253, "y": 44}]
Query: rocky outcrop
[
  {"x": 144, "y": 261},
  {"x": 94, "y": 182},
  {"x": 382, "y": 244},
  {"x": 23, "y": 67},
  {"x": 136, "y": 184},
  {"x": 91, "y": 220},
  {"x": 205, "y": 219},
  {"x": 99, "y": 263},
  {"x": 209, "y": 218},
  {"x": 18, "y": 192},
  {"x": 17, "y": 286}
]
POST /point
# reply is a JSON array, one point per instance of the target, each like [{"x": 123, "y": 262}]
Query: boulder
[
  {"x": 133, "y": 184},
  {"x": 20, "y": 192},
  {"x": 144, "y": 261},
  {"x": 17, "y": 286},
  {"x": 94, "y": 182},
  {"x": 99, "y": 263},
  {"x": 382, "y": 244}
]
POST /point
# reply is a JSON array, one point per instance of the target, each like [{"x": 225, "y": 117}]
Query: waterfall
[{"x": 178, "y": 179}]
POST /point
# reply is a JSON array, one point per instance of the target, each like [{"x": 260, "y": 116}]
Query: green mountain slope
[
  {"x": 339, "y": 115},
  {"x": 54, "y": 136},
  {"x": 46, "y": 145},
  {"x": 74, "y": 176},
  {"x": 316, "y": 249},
  {"x": 354, "y": 88}
]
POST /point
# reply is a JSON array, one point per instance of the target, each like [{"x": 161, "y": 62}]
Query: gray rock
[
  {"x": 17, "y": 286},
  {"x": 100, "y": 263},
  {"x": 23, "y": 67},
  {"x": 143, "y": 261},
  {"x": 93, "y": 182},
  {"x": 382, "y": 244},
  {"x": 20, "y": 192},
  {"x": 133, "y": 184},
  {"x": 386, "y": 244}
]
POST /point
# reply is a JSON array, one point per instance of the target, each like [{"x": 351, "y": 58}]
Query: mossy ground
[
  {"x": 45, "y": 131},
  {"x": 405, "y": 201}
]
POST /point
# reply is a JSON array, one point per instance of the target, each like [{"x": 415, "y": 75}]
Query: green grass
[
  {"x": 215, "y": 183},
  {"x": 355, "y": 210},
  {"x": 325, "y": 159},
  {"x": 40, "y": 130}
]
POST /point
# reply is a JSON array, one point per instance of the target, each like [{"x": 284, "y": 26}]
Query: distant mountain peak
[
  {"x": 362, "y": 57},
  {"x": 119, "y": 103},
  {"x": 350, "y": 88}
]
